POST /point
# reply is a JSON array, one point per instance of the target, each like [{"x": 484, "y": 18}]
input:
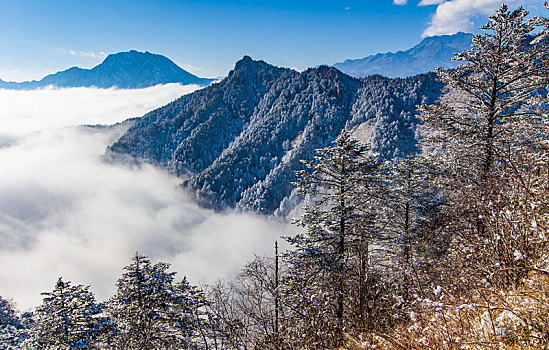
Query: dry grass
[{"x": 516, "y": 318}]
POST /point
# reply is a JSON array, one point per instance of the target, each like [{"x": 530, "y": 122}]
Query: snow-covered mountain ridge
[
  {"x": 432, "y": 52},
  {"x": 238, "y": 142}
]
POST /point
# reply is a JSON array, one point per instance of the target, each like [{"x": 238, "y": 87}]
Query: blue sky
[{"x": 207, "y": 37}]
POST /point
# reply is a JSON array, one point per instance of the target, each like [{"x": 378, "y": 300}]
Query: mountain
[
  {"x": 432, "y": 52},
  {"x": 127, "y": 70},
  {"x": 238, "y": 142}
]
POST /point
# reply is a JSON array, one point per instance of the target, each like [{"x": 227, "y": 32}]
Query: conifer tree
[
  {"x": 151, "y": 312},
  {"x": 490, "y": 145},
  {"x": 69, "y": 317},
  {"x": 484, "y": 114},
  {"x": 341, "y": 183},
  {"x": 12, "y": 328},
  {"x": 412, "y": 211},
  {"x": 142, "y": 306},
  {"x": 196, "y": 324}
]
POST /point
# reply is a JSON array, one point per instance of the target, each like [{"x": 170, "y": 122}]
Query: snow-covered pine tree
[
  {"x": 197, "y": 325},
  {"x": 142, "y": 307},
  {"x": 69, "y": 317},
  {"x": 485, "y": 132},
  {"x": 412, "y": 212},
  {"x": 341, "y": 183},
  {"x": 484, "y": 111},
  {"x": 12, "y": 328},
  {"x": 151, "y": 312}
]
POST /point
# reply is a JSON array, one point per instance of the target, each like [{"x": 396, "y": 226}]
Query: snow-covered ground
[{"x": 66, "y": 212}]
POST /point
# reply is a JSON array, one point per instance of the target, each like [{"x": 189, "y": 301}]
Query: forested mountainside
[
  {"x": 430, "y": 53},
  {"x": 127, "y": 70},
  {"x": 240, "y": 141}
]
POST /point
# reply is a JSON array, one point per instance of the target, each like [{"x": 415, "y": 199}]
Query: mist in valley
[{"x": 66, "y": 212}]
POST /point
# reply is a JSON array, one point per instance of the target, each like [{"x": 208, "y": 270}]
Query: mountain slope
[
  {"x": 431, "y": 53},
  {"x": 239, "y": 142},
  {"x": 128, "y": 70}
]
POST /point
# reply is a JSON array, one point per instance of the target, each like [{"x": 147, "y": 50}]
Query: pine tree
[
  {"x": 489, "y": 142},
  {"x": 197, "y": 325},
  {"x": 151, "y": 312},
  {"x": 69, "y": 317},
  {"x": 484, "y": 114},
  {"x": 342, "y": 185},
  {"x": 413, "y": 206},
  {"x": 12, "y": 328},
  {"x": 142, "y": 306}
]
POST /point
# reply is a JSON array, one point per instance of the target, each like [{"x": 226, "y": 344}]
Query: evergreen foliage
[
  {"x": 342, "y": 184},
  {"x": 490, "y": 144},
  {"x": 141, "y": 306},
  {"x": 12, "y": 327},
  {"x": 484, "y": 118},
  {"x": 444, "y": 249},
  {"x": 151, "y": 312},
  {"x": 68, "y": 318}
]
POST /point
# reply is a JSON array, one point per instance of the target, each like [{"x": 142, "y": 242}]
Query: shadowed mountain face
[
  {"x": 238, "y": 142},
  {"x": 431, "y": 53},
  {"x": 127, "y": 70}
]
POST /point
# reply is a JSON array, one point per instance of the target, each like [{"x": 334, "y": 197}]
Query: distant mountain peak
[
  {"x": 132, "y": 54},
  {"x": 130, "y": 70},
  {"x": 430, "y": 53}
]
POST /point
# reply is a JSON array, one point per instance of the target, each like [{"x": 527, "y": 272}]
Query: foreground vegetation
[{"x": 447, "y": 249}]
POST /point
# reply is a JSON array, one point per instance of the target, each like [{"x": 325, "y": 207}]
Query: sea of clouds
[{"x": 66, "y": 212}]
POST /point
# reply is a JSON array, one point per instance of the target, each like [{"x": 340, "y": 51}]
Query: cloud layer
[{"x": 64, "y": 211}]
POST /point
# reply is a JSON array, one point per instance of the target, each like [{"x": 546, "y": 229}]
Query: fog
[{"x": 65, "y": 212}]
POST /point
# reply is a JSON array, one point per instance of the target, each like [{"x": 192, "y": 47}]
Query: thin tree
[{"x": 341, "y": 183}]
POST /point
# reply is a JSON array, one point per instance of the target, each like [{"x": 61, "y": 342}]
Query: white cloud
[
  {"x": 459, "y": 15},
  {"x": 89, "y": 54},
  {"x": 400, "y": 2},
  {"x": 430, "y": 2},
  {"x": 51, "y": 108},
  {"x": 64, "y": 211}
]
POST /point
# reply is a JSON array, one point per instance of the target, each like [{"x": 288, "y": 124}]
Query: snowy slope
[{"x": 239, "y": 142}]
